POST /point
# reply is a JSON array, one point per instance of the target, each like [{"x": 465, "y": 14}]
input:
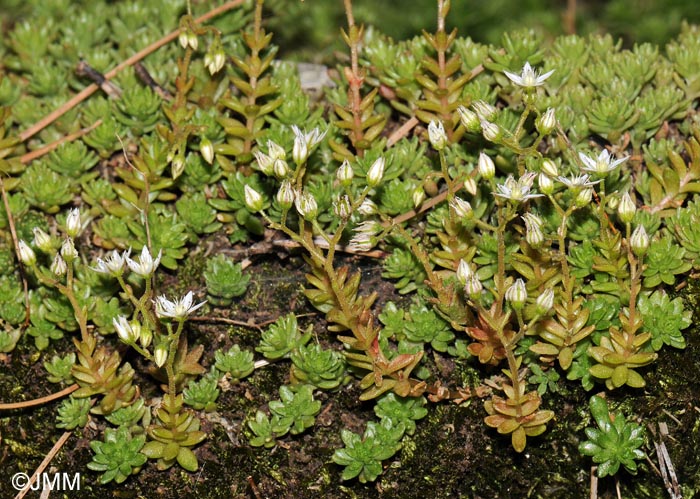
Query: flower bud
[
  {"x": 368, "y": 207},
  {"x": 470, "y": 120},
  {"x": 306, "y": 206},
  {"x": 550, "y": 168},
  {"x": 73, "y": 224},
  {"x": 484, "y": 110},
  {"x": 626, "y": 209},
  {"x": 206, "y": 149},
  {"x": 275, "y": 151},
  {"x": 264, "y": 162},
  {"x": 473, "y": 287},
  {"x": 583, "y": 198},
  {"x": 253, "y": 199},
  {"x": 280, "y": 168},
  {"x": 464, "y": 272},
  {"x": 491, "y": 131},
  {"x": 639, "y": 241},
  {"x": 487, "y": 168},
  {"x": 182, "y": 38},
  {"x": 42, "y": 240},
  {"x": 345, "y": 174},
  {"x": 160, "y": 355},
  {"x": 125, "y": 330},
  {"x": 300, "y": 151},
  {"x": 462, "y": 208},
  {"x": 286, "y": 195},
  {"x": 545, "y": 183},
  {"x": 546, "y": 122},
  {"x": 534, "y": 235},
  {"x": 517, "y": 294},
  {"x": 418, "y": 196},
  {"x": 192, "y": 40},
  {"x": 437, "y": 135},
  {"x": 58, "y": 266},
  {"x": 145, "y": 337},
  {"x": 26, "y": 254},
  {"x": 342, "y": 207},
  {"x": 375, "y": 172},
  {"x": 544, "y": 302},
  {"x": 68, "y": 251},
  {"x": 177, "y": 165},
  {"x": 470, "y": 185}
]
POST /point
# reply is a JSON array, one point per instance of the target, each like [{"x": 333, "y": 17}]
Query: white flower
[
  {"x": 546, "y": 121},
  {"x": 147, "y": 265},
  {"x": 578, "y": 182},
  {"x": 470, "y": 185},
  {"x": 491, "y": 131},
  {"x": 264, "y": 162},
  {"x": 550, "y": 167},
  {"x": 342, "y": 207},
  {"x": 464, "y": 272},
  {"x": 545, "y": 184},
  {"x": 275, "y": 150},
  {"x": 473, "y": 287},
  {"x": 461, "y": 208},
  {"x": 160, "y": 355},
  {"x": 113, "y": 264},
  {"x": 280, "y": 168},
  {"x": 437, "y": 135},
  {"x": 602, "y": 165},
  {"x": 304, "y": 142},
  {"x": 528, "y": 78},
  {"x": 26, "y": 254},
  {"x": 178, "y": 309},
  {"x": 368, "y": 207},
  {"x": 534, "y": 235},
  {"x": 519, "y": 190}
]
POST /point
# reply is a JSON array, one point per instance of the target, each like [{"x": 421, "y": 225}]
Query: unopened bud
[
  {"x": 484, "y": 110},
  {"x": 73, "y": 224},
  {"x": 375, "y": 172},
  {"x": 544, "y": 302},
  {"x": 275, "y": 151},
  {"x": 206, "y": 148},
  {"x": 286, "y": 195},
  {"x": 58, "y": 266},
  {"x": 517, "y": 294},
  {"x": 280, "y": 168},
  {"x": 639, "y": 241},
  {"x": 550, "y": 168},
  {"x": 253, "y": 199},
  {"x": 464, "y": 272},
  {"x": 473, "y": 287},
  {"x": 470, "y": 185},
  {"x": 470, "y": 120},
  {"x": 437, "y": 135},
  {"x": 368, "y": 207},
  {"x": 306, "y": 206},
  {"x": 264, "y": 162},
  {"x": 583, "y": 198},
  {"x": 342, "y": 207},
  {"x": 487, "y": 168},
  {"x": 546, "y": 122},
  {"x": 68, "y": 251},
  {"x": 626, "y": 209},
  {"x": 418, "y": 196},
  {"x": 42, "y": 240},
  {"x": 491, "y": 131},
  {"x": 26, "y": 254},
  {"x": 545, "y": 183},
  {"x": 345, "y": 174},
  {"x": 160, "y": 355},
  {"x": 462, "y": 208}
]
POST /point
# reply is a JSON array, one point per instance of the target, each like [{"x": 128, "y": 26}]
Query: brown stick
[
  {"x": 54, "y": 450},
  {"x": 39, "y": 401},
  {"x": 92, "y": 88},
  {"x": 26, "y": 158}
]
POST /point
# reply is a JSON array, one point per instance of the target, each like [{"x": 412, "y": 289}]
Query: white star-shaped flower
[
  {"x": 517, "y": 190},
  {"x": 113, "y": 264},
  {"x": 602, "y": 165},
  {"x": 578, "y": 182},
  {"x": 528, "y": 78},
  {"x": 147, "y": 265},
  {"x": 178, "y": 309}
]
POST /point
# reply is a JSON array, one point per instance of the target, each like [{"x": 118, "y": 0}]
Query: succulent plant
[
  {"x": 118, "y": 455},
  {"x": 236, "y": 362},
  {"x": 225, "y": 280}
]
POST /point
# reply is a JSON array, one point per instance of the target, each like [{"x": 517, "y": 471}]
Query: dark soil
[{"x": 452, "y": 453}]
